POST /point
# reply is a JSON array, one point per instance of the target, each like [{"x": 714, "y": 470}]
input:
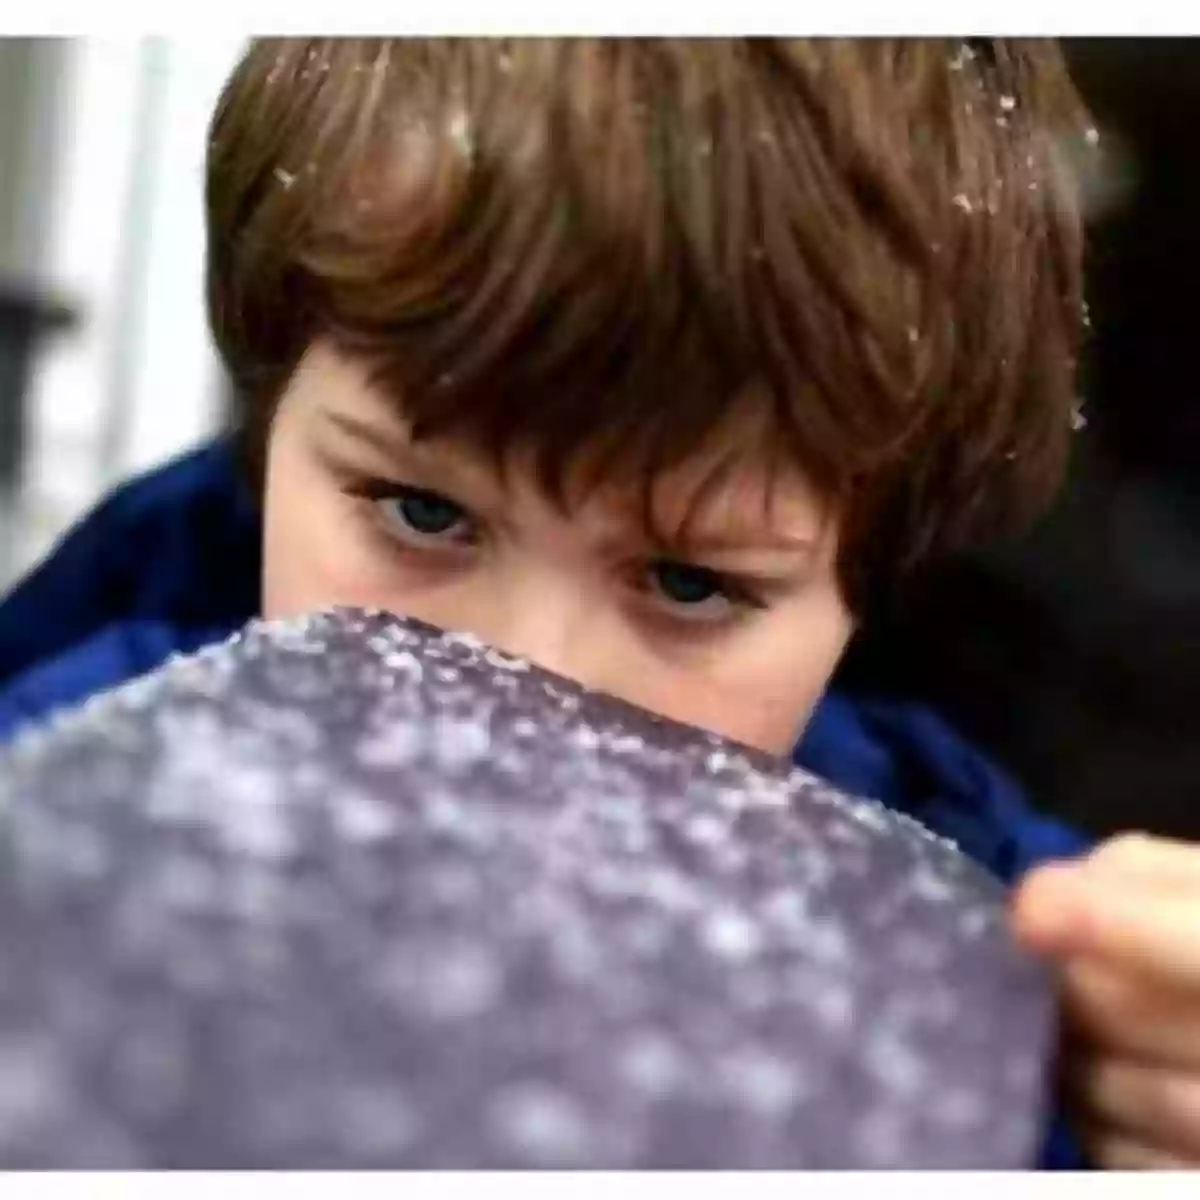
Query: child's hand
[{"x": 1123, "y": 926}]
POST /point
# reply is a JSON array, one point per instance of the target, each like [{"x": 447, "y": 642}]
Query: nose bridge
[{"x": 547, "y": 619}]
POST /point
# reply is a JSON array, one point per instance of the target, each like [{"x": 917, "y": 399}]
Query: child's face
[{"x": 739, "y": 636}]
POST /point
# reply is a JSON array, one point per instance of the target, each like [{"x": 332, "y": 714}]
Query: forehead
[{"x": 736, "y": 484}]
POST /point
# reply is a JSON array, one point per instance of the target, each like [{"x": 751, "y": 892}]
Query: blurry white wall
[{"x": 103, "y": 173}]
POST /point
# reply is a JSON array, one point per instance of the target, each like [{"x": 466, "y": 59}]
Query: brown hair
[{"x": 606, "y": 246}]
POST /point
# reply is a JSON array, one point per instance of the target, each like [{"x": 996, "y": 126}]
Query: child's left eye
[
  {"x": 697, "y": 593},
  {"x": 685, "y": 584},
  {"x": 420, "y": 515}
]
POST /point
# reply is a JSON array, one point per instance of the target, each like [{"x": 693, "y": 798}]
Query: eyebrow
[
  {"x": 387, "y": 438},
  {"x": 375, "y": 435},
  {"x": 739, "y": 535},
  {"x": 728, "y": 540},
  {"x": 742, "y": 532}
]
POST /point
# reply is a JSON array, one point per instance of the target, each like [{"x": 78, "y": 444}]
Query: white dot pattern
[{"x": 351, "y": 892}]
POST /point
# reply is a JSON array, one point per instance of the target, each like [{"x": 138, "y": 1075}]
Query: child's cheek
[
  {"x": 773, "y": 727},
  {"x": 767, "y": 709},
  {"x": 316, "y": 549}
]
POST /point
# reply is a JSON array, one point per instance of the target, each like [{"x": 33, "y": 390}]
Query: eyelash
[
  {"x": 378, "y": 490},
  {"x": 740, "y": 594}
]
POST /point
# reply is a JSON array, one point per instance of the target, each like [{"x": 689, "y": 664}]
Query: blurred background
[
  {"x": 1073, "y": 655},
  {"x": 105, "y": 363}
]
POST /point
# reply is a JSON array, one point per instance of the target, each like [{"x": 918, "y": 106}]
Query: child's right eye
[{"x": 418, "y": 515}]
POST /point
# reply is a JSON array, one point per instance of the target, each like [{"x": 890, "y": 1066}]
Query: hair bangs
[
  {"x": 612, "y": 255},
  {"x": 578, "y": 276}
]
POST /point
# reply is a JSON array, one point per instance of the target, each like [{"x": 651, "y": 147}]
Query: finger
[
  {"x": 1156, "y": 1105},
  {"x": 1155, "y": 865},
  {"x": 1045, "y": 908},
  {"x": 1106, "y": 1008},
  {"x": 1159, "y": 862},
  {"x": 1117, "y": 1152},
  {"x": 1062, "y": 910}
]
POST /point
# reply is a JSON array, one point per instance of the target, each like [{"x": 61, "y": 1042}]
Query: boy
[{"x": 662, "y": 363}]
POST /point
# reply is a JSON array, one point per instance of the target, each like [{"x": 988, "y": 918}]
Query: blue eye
[
  {"x": 414, "y": 511},
  {"x": 428, "y": 512},
  {"x": 684, "y": 584}
]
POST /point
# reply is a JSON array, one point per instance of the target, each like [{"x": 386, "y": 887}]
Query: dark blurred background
[{"x": 1073, "y": 656}]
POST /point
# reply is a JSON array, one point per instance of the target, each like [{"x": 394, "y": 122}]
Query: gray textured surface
[{"x": 349, "y": 892}]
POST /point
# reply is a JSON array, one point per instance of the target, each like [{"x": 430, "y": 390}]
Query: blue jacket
[{"x": 171, "y": 562}]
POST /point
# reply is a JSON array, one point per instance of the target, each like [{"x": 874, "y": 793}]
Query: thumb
[{"x": 1049, "y": 915}]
